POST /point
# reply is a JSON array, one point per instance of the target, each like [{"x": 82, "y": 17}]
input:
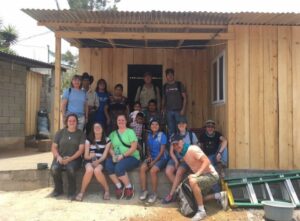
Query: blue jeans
[
  {"x": 172, "y": 119},
  {"x": 121, "y": 167},
  {"x": 224, "y": 160}
]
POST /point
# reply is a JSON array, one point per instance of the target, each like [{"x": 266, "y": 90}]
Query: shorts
[
  {"x": 207, "y": 181},
  {"x": 160, "y": 164},
  {"x": 182, "y": 164}
]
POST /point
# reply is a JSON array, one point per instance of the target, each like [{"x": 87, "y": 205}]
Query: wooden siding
[
  {"x": 33, "y": 91},
  {"x": 263, "y": 97},
  {"x": 190, "y": 67}
]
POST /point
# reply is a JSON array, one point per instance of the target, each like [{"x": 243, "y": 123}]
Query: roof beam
[
  {"x": 59, "y": 25},
  {"x": 112, "y": 42},
  {"x": 143, "y": 36}
]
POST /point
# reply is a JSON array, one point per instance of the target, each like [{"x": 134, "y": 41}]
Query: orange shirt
[{"x": 192, "y": 158}]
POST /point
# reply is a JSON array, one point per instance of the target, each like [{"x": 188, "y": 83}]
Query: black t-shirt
[
  {"x": 117, "y": 106},
  {"x": 210, "y": 145}
]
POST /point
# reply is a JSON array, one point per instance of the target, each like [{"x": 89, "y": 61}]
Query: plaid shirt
[{"x": 138, "y": 129}]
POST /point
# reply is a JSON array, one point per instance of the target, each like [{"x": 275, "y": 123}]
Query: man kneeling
[{"x": 203, "y": 178}]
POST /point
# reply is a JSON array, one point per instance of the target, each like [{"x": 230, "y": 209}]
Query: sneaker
[
  {"x": 199, "y": 216},
  {"x": 119, "y": 193},
  {"x": 224, "y": 200},
  {"x": 152, "y": 198},
  {"x": 129, "y": 193},
  {"x": 144, "y": 195},
  {"x": 168, "y": 199},
  {"x": 56, "y": 193}
]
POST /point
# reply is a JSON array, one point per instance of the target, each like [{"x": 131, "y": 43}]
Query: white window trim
[{"x": 218, "y": 101}]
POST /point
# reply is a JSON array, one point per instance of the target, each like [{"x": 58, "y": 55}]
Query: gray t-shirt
[
  {"x": 173, "y": 95},
  {"x": 68, "y": 142}
]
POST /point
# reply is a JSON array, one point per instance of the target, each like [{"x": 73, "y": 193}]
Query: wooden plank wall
[
  {"x": 217, "y": 112},
  {"x": 190, "y": 67},
  {"x": 263, "y": 86},
  {"x": 33, "y": 91}
]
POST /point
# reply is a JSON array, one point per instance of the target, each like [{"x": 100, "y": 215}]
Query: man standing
[
  {"x": 174, "y": 100},
  {"x": 203, "y": 176}
]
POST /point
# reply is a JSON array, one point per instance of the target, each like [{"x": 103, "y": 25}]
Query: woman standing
[
  {"x": 96, "y": 151},
  {"x": 67, "y": 148},
  {"x": 125, "y": 157},
  {"x": 74, "y": 100},
  {"x": 103, "y": 96}
]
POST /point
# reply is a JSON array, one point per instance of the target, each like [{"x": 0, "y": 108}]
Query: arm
[
  {"x": 105, "y": 153},
  {"x": 77, "y": 154},
  {"x": 87, "y": 151},
  {"x": 223, "y": 144},
  {"x": 106, "y": 113},
  {"x": 184, "y": 101},
  {"x": 158, "y": 99},
  {"x": 137, "y": 95},
  {"x": 64, "y": 107},
  {"x": 172, "y": 154},
  {"x": 86, "y": 108},
  {"x": 55, "y": 153}
]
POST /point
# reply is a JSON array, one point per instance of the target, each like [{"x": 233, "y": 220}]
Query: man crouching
[{"x": 203, "y": 178}]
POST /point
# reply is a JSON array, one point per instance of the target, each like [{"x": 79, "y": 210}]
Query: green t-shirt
[
  {"x": 68, "y": 142},
  {"x": 128, "y": 136}
]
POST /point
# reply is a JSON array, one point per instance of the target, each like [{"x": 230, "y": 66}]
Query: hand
[
  {"x": 59, "y": 159},
  {"x": 192, "y": 176},
  {"x": 182, "y": 112},
  {"x": 218, "y": 157},
  {"x": 92, "y": 154},
  {"x": 66, "y": 160},
  {"x": 120, "y": 157},
  {"x": 95, "y": 163}
]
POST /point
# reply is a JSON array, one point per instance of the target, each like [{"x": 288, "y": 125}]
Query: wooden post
[{"x": 56, "y": 105}]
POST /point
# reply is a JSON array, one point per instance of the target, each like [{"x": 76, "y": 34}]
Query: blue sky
[{"x": 34, "y": 39}]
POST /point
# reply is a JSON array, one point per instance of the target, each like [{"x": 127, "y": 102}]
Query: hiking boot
[
  {"x": 224, "y": 200},
  {"x": 56, "y": 193},
  {"x": 119, "y": 193},
  {"x": 200, "y": 215},
  {"x": 144, "y": 195},
  {"x": 152, "y": 198},
  {"x": 168, "y": 199},
  {"x": 129, "y": 193}
]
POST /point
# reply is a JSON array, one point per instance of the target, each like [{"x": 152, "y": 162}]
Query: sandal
[
  {"x": 106, "y": 196},
  {"x": 79, "y": 197}
]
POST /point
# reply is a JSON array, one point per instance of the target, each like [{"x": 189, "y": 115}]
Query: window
[{"x": 217, "y": 79}]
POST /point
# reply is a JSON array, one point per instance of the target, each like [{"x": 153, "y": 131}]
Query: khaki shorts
[{"x": 206, "y": 182}]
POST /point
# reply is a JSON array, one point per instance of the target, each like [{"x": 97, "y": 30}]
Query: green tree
[
  {"x": 8, "y": 37},
  {"x": 71, "y": 61},
  {"x": 93, "y": 5}
]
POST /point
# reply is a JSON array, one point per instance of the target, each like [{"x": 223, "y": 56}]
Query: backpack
[
  {"x": 187, "y": 203},
  {"x": 69, "y": 92},
  {"x": 178, "y": 85},
  {"x": 154, "y": 88}
]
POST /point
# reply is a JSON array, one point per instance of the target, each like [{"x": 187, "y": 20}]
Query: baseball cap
[
  {"x": 182, "y": 119},
  {"x": 175, "y": 139}
]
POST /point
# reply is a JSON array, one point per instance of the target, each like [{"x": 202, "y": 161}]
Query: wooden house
[{"x": 240, "y": 69}]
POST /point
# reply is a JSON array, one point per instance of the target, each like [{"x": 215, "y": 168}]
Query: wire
[{"x": 33, "y": 36}]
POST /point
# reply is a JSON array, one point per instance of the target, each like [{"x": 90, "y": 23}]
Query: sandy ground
[{"x": 38, "y": 206}]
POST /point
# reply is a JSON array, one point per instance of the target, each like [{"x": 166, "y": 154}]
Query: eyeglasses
[{"x": 210, "y": 126}]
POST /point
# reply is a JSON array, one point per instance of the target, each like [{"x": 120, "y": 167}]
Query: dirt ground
[{"x": 38, "y": 206}]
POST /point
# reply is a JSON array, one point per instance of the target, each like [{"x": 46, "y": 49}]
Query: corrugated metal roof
[
  {"x": 28, "y": 62},
  {"x": 163, "y": 17}
]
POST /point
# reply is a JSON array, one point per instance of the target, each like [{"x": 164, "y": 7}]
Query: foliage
[
  {"x": 72, "y": 62},
  {"x": 8, "y": 37},
  {"x": 93, "y": 5}
]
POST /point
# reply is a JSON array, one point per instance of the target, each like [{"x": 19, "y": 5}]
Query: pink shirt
[{"x": 192, "y": 157}]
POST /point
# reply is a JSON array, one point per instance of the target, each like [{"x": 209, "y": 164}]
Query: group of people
[{"x": 141, "y": 139}]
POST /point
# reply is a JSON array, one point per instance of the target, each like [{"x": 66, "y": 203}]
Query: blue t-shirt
[
  {"x": 155, "y": 142},
  {"x": 76, "y": 101}
]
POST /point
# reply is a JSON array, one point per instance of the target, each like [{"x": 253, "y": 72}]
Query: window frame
[{"x": 217, "y": 61}]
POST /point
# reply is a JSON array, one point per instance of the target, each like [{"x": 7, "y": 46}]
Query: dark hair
[
  {"x": 120, "y": 86},
  {"x": 170, "y": 71},
  {"x": 152, "y": 101},
  {"x": 68, "y": 116},
  {"x": 148, "y": 73},
  {"x": 140, "y": 114},
  {"x": 91, "y": 136},
  {"x": 137, "y": 102},
  {"x": 99, "y": 82}
]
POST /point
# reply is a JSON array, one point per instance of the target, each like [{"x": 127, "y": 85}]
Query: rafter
[{"x": 143, "y": 36}]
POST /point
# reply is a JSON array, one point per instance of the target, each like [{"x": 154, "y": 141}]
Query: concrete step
[{"x": 23, "y": 180}]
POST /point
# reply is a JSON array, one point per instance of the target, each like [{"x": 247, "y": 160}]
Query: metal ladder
[{"x": 250, "y": 191}]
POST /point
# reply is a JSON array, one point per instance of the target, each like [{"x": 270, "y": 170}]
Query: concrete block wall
[{"x": 12, "y": 104}]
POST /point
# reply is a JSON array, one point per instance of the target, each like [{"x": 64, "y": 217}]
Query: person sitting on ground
[
  {"x": 176, "y": 167},
  {"x": 125, "y": 157},
  {"x": 155, "y": 162},
  {"x": 147, "y": 92},
  {"x": 67, "y": 148},
  {"x": 117, "y": 104},
  {"x": 203, "y": 176},
  {"x": 96, "y": 151},
  {"x": 152, "y": 113},
  {"x": 214, "y": 145},
  {"x": 92, "y": 100},
  {"x": 74, "y": 100}
]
